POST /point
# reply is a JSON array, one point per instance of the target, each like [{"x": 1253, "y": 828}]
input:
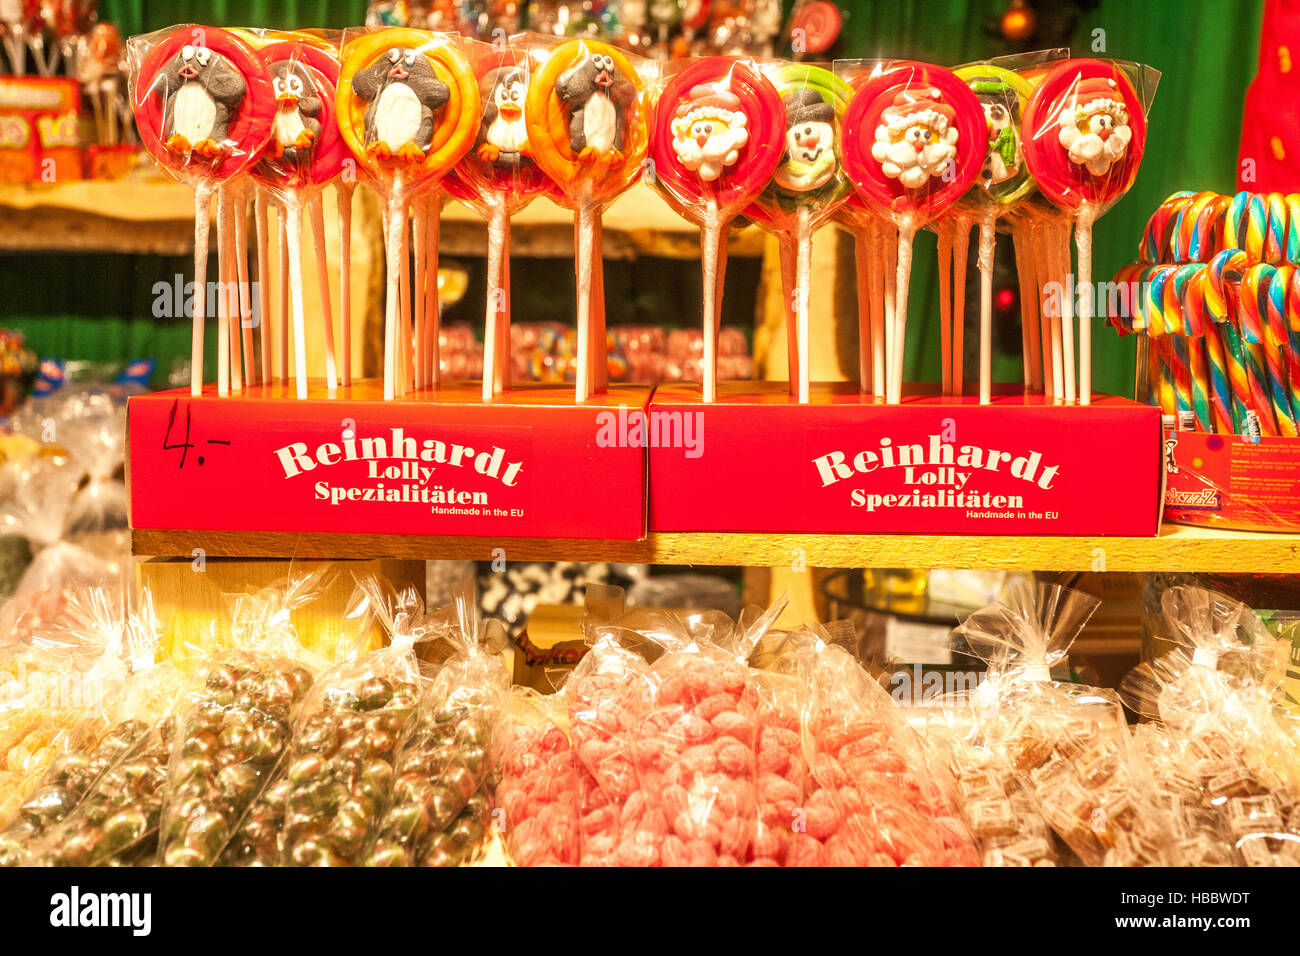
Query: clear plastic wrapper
[
  {"x": 872, "y": 800},
  {"x": 1226, "y": 767},
  {"x": 440, "y": 810},
  {"x": 348, "y": 733},
  {"x": 1068, "y": 744},
  {"x": 537, "y": 799},
  {"x": 234, "y": 735}
]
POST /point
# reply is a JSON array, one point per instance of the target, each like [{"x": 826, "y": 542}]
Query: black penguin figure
[
  {"x": 503, "y": 134},
  {"x": 201, "y": 94},
  {"x": 598, "y": 97},
  {"x": 296, "y": 124},
  {"x": 404, "y": 94}
]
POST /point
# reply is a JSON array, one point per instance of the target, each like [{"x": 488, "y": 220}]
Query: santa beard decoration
[
  {"x": 809, "y": 142},
  {"x": 1094, "y": 128},
  {"x": 916, "y": 139},
  {"x": 709, "y": 131}
]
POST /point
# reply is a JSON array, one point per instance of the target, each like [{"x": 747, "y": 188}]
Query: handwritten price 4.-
[{"x": 184, "y": 444}]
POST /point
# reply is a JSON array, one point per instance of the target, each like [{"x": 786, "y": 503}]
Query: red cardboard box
[
  {"x": 757, "y": 461},
  {"x": 1232, "y": 482},
  {"x": 531, "y": 465}
]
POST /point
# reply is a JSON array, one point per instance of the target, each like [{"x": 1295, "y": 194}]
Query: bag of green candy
[
  {"x": 235, "y": 733},
  {"x": 440, "y": 810}
]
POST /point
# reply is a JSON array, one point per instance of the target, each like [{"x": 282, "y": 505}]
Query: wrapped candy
[
  {"x": 204, "y": 104},
  {"x": 719, "y": 134},
  {"x": 1226, "y": 768},
  {"x": 1084, "y": 133},
  {"x": 1068, "y": 744},
  {"x": 914, "y": 138},
  {"x": 440, "y": 810},
  {"x": 588, "y": 128},
  {"x": 872, "y": 801},
  {"x": 235, "y": 734},
  {"x": 538, "y": 795},
  {"x": 347, "y": 736}
]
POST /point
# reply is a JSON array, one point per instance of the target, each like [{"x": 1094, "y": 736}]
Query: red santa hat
[
  {"x": 909, "y": 104},
  {"x": 1095, "y": 89},
  {"x": 707, "y": 95}
]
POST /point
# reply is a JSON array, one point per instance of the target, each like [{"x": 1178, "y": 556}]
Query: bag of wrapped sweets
[
  {"x": 234, "y": 733},
  {"x": 440, "y": 812},
  {"x": 1068, "y": 744},
  {"x": 98, "y": 793},
  {"x": 1225, "y": 767}
]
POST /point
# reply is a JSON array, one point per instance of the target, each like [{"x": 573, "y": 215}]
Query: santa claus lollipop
[
  {"x": 497, "y": 178},
  {"x": 719, "y": 130},
  {"x": 408, "y": 107},
  {"x": 588, "y": 129},
  {"x": 203, "y": 105},
  {"x": 914, "y": 140},
  {"x": 1085, "y": 132},
  {"x": 804, "y": 192}
]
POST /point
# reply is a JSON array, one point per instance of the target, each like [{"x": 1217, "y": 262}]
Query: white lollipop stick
[
  {"x": 263, "y": 282},
  {"x": 317, "y": 211},
  {"x": 988, "y": 244},
  {"x": 202, "y": 193},
  {"x": 344, "y": 199}
]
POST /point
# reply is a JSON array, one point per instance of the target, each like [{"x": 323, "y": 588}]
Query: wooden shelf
[
  {"x": 157, "y": 216},
  {"x": 1176, "y": 549}
]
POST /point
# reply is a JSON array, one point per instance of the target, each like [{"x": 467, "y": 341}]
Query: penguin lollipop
[
  {"x": 202, "y": 103},
  {"x": 588, "y": 129},
  {"x": 408, "y": 108},
  {"x": 497, "y": 178},
  {"x": 305, "y": 153}
]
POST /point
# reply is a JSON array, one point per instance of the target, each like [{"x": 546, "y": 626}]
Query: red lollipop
[
  {"x": 718, "y": 137},
  {"x": 203, "y": 103},
  {"x": 306, "y": 151},
  {"x": 914, "y": 140},
  {"x": 1084, "y": 133},
  {"x": 496, "y": 178}
]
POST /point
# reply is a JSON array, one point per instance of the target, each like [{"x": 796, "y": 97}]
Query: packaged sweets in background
[
  {"x": 233, "y": 737},
  {"x": 440, "y": 810},
  {"x": 1068, "y": 744},
  {"x": 1228, "y": 786},
  {"x": 537, "y": 799}
]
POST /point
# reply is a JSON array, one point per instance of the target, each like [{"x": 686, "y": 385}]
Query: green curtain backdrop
[{"x": 98, "y": 306}]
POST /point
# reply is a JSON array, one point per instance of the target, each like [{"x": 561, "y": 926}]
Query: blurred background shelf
[{"x": 1175, "y": 549}]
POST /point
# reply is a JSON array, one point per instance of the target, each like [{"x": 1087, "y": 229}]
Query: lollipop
[
  {"x": 914, "y": 140},
  {"x": 1002, "y": 180},
  {"x": 408, "y": 107},
  {"x": 719, "y": 129},
  {"x": 586, "y": 118},
  {"x": 305, "y": 153},
  {"x": 203, "y": 105},
  {"x": 805, "y": 191},
  {"x": 497, "y": 178},
  {"x": 1084, "y": 133}
]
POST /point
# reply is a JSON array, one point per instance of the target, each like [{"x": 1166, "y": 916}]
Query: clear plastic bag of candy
[
  {"x": 440, "y": 810},
  {"x": 92, "y": 716},
  {"x": 235, "y": 733},
  {"x": 348, "y": 733},
  {"x": 1228, "y": 786},
  {"x": 540, "y": 782},
  {"x": 872, "y": 800},
  {"x": 1069, "y": 744}
]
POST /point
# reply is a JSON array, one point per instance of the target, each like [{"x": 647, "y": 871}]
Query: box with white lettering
[
  {"x": 758, "y": 461},
  {"x": 531, "y": 464}
]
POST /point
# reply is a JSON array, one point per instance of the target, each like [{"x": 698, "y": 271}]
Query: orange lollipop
[{"x": 587, "y": 126}]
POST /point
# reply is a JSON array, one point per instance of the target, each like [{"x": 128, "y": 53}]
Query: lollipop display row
[{"x": 883, "y": 147}]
